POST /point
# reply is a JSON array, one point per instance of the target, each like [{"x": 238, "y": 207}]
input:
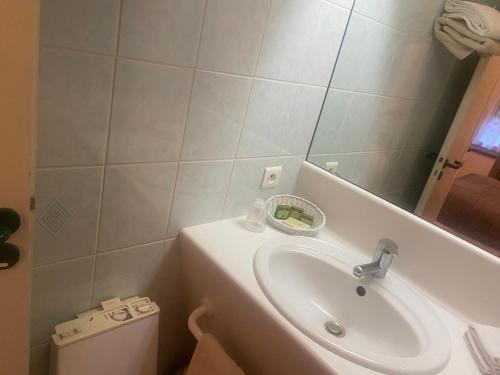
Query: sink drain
[{"x": 335, "y": 328}]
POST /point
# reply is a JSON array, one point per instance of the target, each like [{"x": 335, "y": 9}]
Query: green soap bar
[
  {"x": 308, "y": 219},
  {"x": 296, "y": 212},
  {"x": 282, "y": 212},
  {"x": 296, "y": 223}
]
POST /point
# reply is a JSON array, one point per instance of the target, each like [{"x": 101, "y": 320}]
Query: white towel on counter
[
  {"x": 484, "y": 344},
  {"x": 460, "y": 41},
  {"x": 481, "y": 19}
]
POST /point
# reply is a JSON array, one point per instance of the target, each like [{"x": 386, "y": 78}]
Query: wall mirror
[{"x": 407, "y": 121}]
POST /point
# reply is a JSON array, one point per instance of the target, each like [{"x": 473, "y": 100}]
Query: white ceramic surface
[{"x": 390, "y": 329}]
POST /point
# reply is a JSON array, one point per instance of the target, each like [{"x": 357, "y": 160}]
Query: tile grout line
[
  {"x": 175, "y": 66},
  {"x": 254, "y": 70},
  {"x": 106, "y": 155},
  {"x": 62, "y": 261},
  {"x": 287, "y": 122},
  {"x": 88, "y": 256},
  {"x": 393, "y": 28},
  {"x": 171, "y": 162},
  {"x": 188, "y": 107}
]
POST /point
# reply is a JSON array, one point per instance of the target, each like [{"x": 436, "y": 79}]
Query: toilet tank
[{"x": 120, "y": 338}]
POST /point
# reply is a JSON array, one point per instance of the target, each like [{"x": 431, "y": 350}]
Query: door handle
[
  {"x": 9, "y": 223},
  {"x": 455, "y": 165},
  {"x": 9, "y": 255}
]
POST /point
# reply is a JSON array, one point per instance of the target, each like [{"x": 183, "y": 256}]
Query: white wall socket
[
  {"x": 332, "y": 166},
  {"x": 271, "y": 177}
]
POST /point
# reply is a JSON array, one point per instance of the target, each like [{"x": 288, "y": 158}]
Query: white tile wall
[
  {"x": 74, "y": 103},
  {"x": 379, "y": 119},
  {"x": 135, "y": 204},
  {"x": 232, "y": 34},
  {"x": 60, "y": 290},
  {"x": 157, "y": 115},
  {"x": 303, "y": 118},
  {"x": 200, "y": 192},
  {"x": 267, "y": 116},
  {"x": 166, "y": 31},
  {"x": 149, "y": 112},
  {"x": 216, "y": 113},
  {"x": 90, "y": 25},
  {"x": 150, "y": 269},
  {"x": 67, "y": 212},
  {"x": 287, "y": 38}
]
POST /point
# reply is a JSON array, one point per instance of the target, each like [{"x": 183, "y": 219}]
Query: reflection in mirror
[{"x": 406, "y": 120}]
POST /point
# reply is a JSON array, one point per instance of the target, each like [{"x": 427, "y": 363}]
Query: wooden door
[
  {"x": 18, "y": 75},
  {"x": 476, "y": 106}
]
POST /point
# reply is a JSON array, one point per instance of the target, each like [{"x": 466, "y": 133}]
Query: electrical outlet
[
  {"x": 332, "y": 166},
  {"x": 271, "y": 177}
]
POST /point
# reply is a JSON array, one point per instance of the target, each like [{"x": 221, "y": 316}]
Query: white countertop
[{"x": 231, "y": 247}]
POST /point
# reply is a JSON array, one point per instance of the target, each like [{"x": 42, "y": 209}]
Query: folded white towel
[
  {"x": 487, "y": 339},
  {"x": 479, "y": 18},
  {"x": 460, "y": 41},
  {"x": 457, "y": 49},
  {"x": 478, "y": 358}
]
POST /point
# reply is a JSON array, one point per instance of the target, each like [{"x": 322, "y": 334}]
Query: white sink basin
[{"x": 390, "y": 329}]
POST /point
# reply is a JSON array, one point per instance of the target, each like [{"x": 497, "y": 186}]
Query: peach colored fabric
[
  {"x": 472, "y": 208},
  {"x": 210, "y": 358}
]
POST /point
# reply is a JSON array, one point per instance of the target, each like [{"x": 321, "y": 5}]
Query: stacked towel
[
  {"x": 484, "y": 344},
  {"x": 466, "y": 27}
]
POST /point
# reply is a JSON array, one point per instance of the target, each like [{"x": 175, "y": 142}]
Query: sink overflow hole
[
  {"x": 335, "y": 328},
  {"x": 361, "y": 291}
]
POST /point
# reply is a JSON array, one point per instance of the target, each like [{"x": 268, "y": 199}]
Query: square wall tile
[
  {"x": 287, "y": 39},
  {"x": 324, "y": 45},
  {"x": 358, "y": 119},
  {"x": 67, "y": 209},
  {"x": 216, "y": 112},
  {"x": 374, "y": 171},
  {"x": 412, "y": 17},
  {"x": 377, "y": 59},
  {"x": 90, "y": 25},
  {"x": 74, "y": 98},
  {"x": 266, "y": 118},
  {"x": 136, "y": 204},
  {"x": 149, "y": 112},
  {"x": 232, "y": 34},
  {"x": 200, "y": 192},
  {"x": 161, "y": 30},
  {"x": 148, "y": 270},
  {"x": 303, "y": 119},
  {"x": 390, "y": 125},
  {"x": 330, "y": 121},
  {"x": 59, "y": 292},
  {"x": 246, "y": 182}
]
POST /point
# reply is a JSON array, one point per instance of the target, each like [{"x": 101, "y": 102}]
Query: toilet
[{"x": 119, "y": 338}]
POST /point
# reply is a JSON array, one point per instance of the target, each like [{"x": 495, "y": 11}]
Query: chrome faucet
[{"x": 386, "y": 251}]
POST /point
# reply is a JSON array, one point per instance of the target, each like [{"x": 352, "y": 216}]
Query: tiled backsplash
[
  {"x": 383, "y": 114},
  {"x": 159, "y": 114}
]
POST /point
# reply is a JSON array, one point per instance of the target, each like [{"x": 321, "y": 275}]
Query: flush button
[
  {"x": 120, "y": 315},
  {"x": 143, "y": 308}
]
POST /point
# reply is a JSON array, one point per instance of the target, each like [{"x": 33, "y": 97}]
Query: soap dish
[{"x": 319, "y": 218}]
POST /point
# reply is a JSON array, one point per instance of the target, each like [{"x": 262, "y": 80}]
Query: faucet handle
[{"x": 388, "y": 246}]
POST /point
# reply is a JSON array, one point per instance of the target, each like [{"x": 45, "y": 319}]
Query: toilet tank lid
[{"x": 112, "y": 314}]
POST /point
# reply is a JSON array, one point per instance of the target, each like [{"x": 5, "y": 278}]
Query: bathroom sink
[{"x": 381, "y": 324}]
